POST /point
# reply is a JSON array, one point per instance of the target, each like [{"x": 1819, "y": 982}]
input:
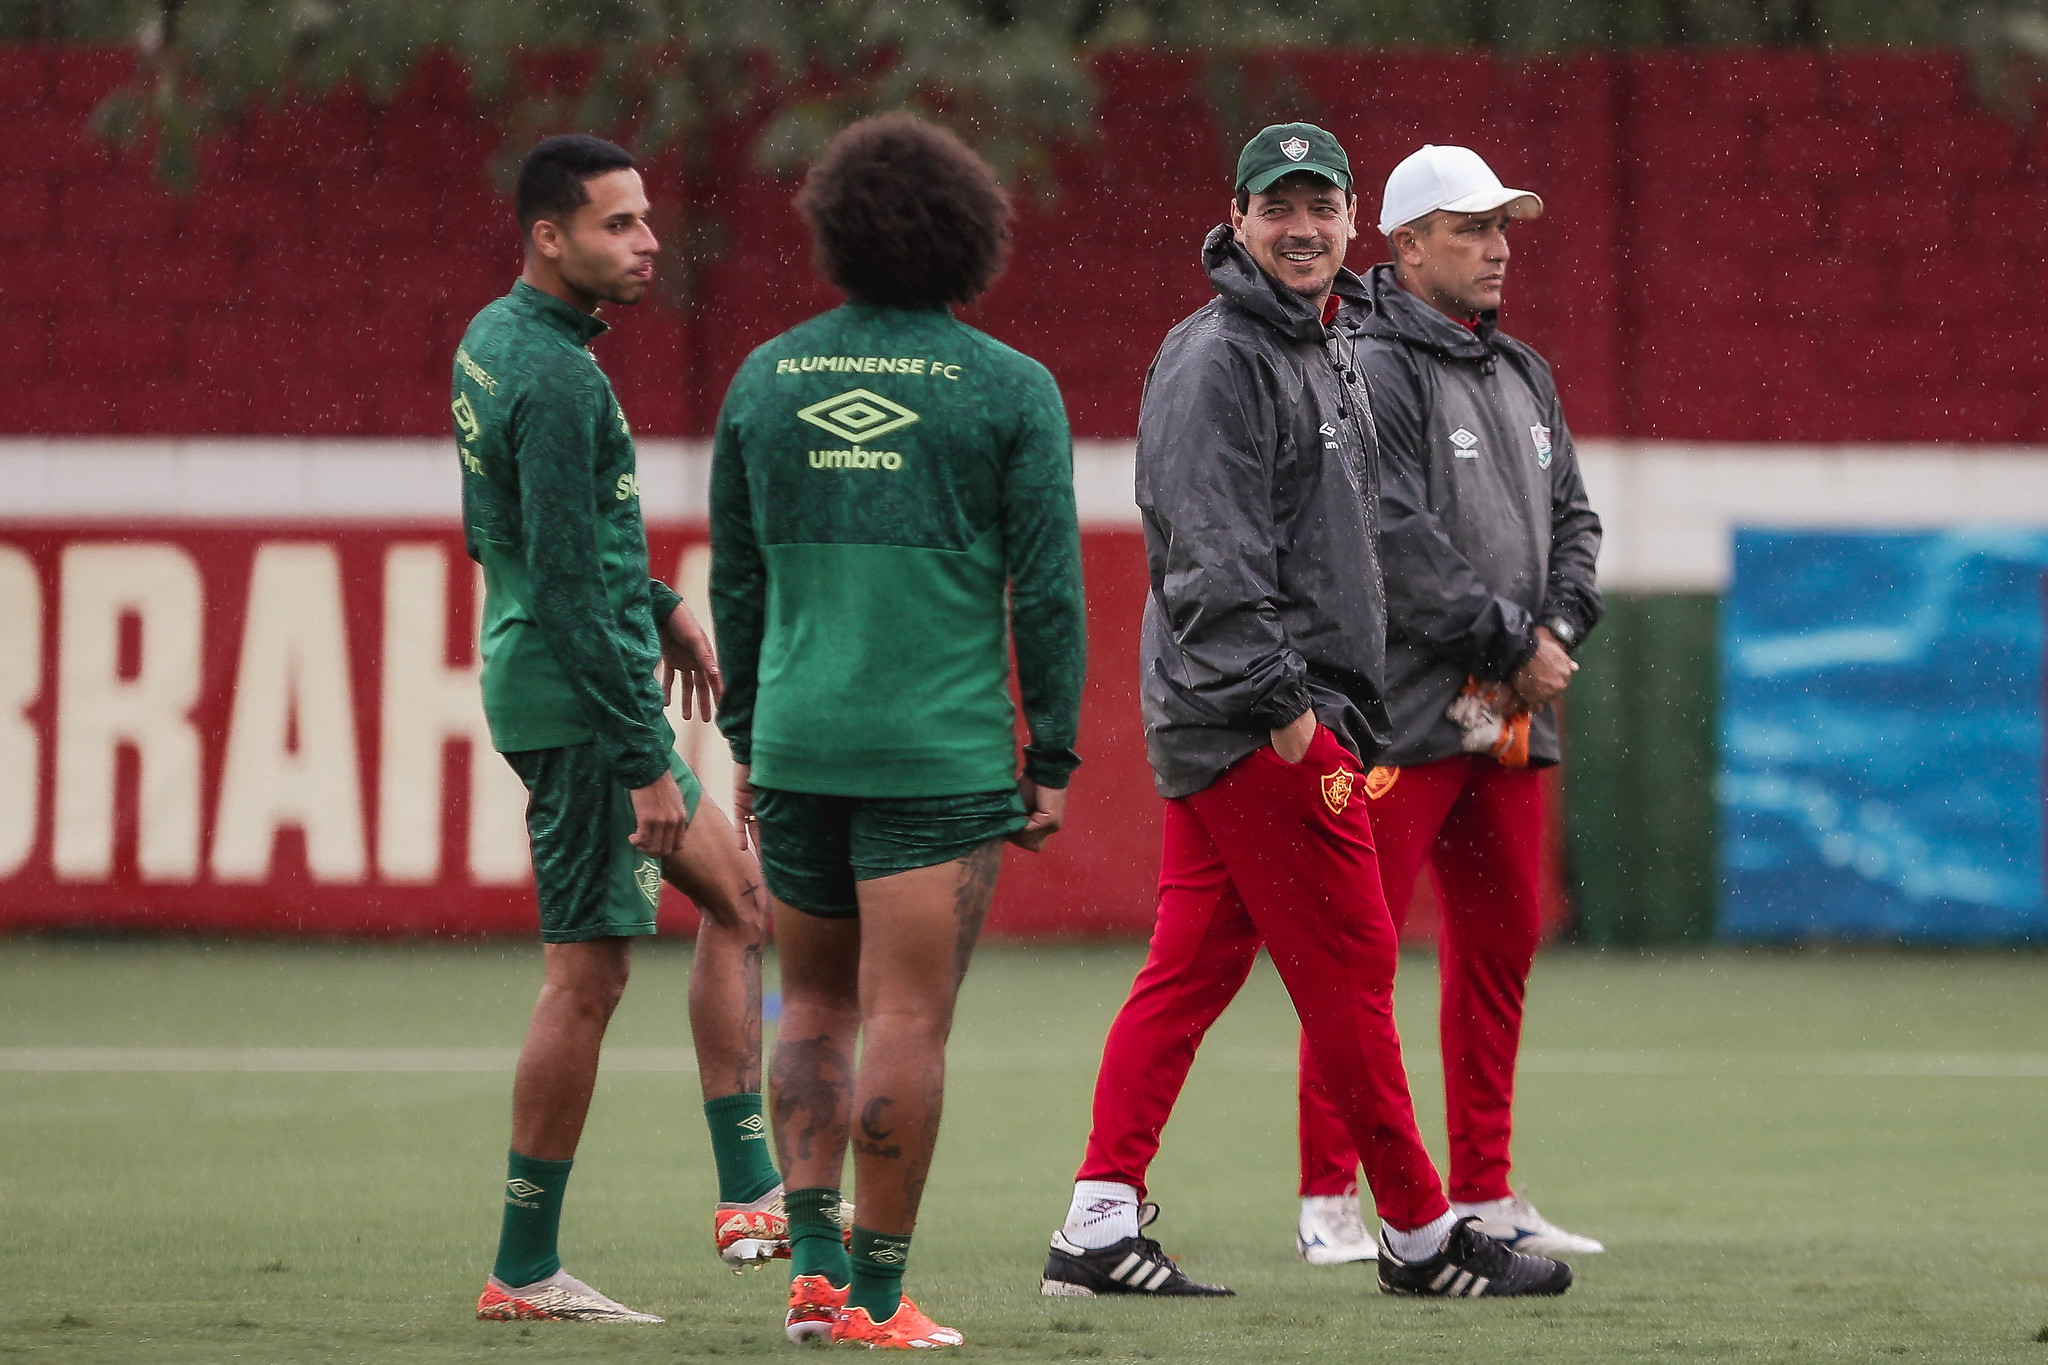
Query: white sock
[
  {"x": 1423, "y": 1242},
  {"x": 1481, "y": 1210},
  {"x": 1103, "y": 1213}
]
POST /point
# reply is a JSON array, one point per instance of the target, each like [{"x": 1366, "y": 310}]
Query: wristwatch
[{"x": 1563, "y": 630}]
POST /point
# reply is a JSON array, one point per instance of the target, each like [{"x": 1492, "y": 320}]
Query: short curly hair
[{"x": 904, "y": 214}]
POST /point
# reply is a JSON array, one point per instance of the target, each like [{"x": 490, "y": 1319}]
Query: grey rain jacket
[
  {"x": 1258, "y": 487},
  {"x": 1485, "y": 530}
]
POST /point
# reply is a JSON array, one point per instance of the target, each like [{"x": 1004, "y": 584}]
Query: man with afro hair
[{"x": 892, "y": 510}]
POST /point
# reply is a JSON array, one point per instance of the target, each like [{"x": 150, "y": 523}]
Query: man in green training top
[
  {"x": 892, "y": 506},
  {"x": 573, "y": 631}
]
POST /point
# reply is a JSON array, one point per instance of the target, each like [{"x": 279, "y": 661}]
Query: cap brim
[
  {"x": 1260, "y": 183},
  {"x": 1518, "y": 203}
]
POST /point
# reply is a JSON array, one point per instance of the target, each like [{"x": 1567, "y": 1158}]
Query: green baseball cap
[{"x": 1286, "y": 148}]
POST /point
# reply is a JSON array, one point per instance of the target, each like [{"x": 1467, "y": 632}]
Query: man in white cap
[{"x": 1488, "y": 546}]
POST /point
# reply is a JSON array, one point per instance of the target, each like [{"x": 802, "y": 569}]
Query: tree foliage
[{"x": 1010, "y": 73}]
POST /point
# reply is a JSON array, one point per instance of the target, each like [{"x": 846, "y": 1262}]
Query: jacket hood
[
  {"x": 1239, "y": 280},
  {"x": 1398, "y": 315}
]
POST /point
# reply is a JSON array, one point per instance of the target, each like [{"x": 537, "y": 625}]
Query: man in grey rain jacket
[
  {"x": 1262, "y": 652},
  {"x": 1488, "y": 544}
]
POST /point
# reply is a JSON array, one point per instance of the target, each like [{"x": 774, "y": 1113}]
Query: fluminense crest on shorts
[
  {"x": 649, "y": 877},
  {"x": 1294, "y": 149},
  {"x": 1337, "y": 790},
  {"x": 858, "y": 415}
]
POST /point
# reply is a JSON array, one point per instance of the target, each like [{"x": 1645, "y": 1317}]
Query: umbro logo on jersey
[
  {"x": 858, "y": 415},
  {"x": 1466, "y": 443}
]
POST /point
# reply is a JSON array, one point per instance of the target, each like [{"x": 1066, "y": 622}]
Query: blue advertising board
[{"x": 1882, "y": 736}]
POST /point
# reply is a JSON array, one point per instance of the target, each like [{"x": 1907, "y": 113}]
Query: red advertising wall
[
  {"x": 240, "y": 728},
  {"x": 1741, "y": 245},
  {"x": 220, "y": 723}
]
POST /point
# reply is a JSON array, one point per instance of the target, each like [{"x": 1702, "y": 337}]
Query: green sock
[
  {"x": 814, "y": 1245},
  {"x": 533, "y": 1215},
  {"x": 739, "y": 1144},
  {"x": 878, "y": 1262}
]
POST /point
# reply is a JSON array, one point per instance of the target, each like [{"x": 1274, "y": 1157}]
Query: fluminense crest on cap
[{"x": 1285, "y": 148}]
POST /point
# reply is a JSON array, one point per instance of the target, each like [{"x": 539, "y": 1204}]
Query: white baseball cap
[{"x": 1452, "y": 178}]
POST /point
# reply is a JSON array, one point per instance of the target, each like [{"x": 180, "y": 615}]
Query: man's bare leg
[
  {"x": 918, "y": 932},
  {"x": 810, "y": 1081},
  {"x": 919, "y": 928},
  {"x": 550, "y": 1100},
  {"x": 558, "y": 1064},
  {"x": 724, "y": 882}
]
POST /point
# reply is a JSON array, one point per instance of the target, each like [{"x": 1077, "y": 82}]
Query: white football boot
[
  {"x": 1331, "y": 1232},
  {"x": 561, "y": 1297},
  {"x": 1515, "y": 1224}
]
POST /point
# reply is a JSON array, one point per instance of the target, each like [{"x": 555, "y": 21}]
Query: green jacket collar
[{"x": 581, "y": 327}]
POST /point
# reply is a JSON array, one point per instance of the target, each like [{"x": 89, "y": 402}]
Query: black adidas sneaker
[
  {"x": 1472, "y": 1266},
  {"x": 1135, "y": 1265}
]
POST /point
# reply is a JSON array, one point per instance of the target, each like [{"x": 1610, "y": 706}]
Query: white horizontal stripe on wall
[{"x": 1668, "y": 506}]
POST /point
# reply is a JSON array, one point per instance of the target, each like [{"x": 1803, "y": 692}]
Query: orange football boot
[
  {"x": 907, "y": 1329},
  {"x": 813, "y": 1304}
]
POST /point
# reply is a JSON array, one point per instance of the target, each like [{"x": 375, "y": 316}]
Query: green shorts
[
  {"x": 814, "y": 848},
  {"x": 590, "y": 880}
]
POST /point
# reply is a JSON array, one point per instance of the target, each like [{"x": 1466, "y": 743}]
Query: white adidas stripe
[
  {"x": 1153, "y": 1284},
  {"x": 1444, "y": 1277},
  {"x": 1478, "y": 1288},
  {"x": 1124, "y": 1267},
  {"x": 1465, "y": 1277}
]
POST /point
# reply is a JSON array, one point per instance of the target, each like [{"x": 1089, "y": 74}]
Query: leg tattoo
[
  {"x": 976, "y": 888},
  {"x": 874, "y": 1138},
  {"x": 812, "y": 1086}
]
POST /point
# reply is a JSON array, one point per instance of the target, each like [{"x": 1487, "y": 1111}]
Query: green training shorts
[
  {"x": 814, "y": 848},
  {"x": 590, "y": 880}
]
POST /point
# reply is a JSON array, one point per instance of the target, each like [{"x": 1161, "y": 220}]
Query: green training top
[
  {"x": 551, "y": 509},
  {"x": 880, "y": 475}
]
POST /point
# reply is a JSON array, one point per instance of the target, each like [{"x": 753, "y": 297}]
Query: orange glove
[{"x": 1494, "y": 721}]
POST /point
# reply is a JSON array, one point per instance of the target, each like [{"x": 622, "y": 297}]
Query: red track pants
[
  {"x": 1277, "y": 854},
  {"x": 1480, "y": 826}
]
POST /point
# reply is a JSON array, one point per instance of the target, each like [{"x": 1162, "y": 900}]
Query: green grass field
[{"x": 1828, "y": 1157}]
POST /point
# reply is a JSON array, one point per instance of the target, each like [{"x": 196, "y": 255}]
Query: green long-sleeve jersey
[
  {"x": 551, "y": 509},
  {"x": 880, "y": 477}
]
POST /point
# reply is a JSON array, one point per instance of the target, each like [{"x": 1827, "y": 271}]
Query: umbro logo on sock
[
  {"x": 521, "y": 1192},
  {"x": 753, "y": 1124},
  {"x": 1102, "y": 1209}
]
